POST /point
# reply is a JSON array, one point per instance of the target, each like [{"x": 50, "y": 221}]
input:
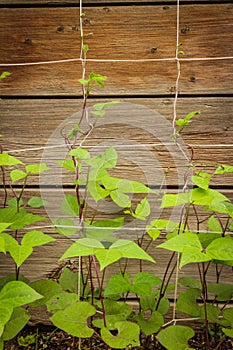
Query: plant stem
[
  {"x": 100, "y": 289},
  {"x": 162, "y": 290}
]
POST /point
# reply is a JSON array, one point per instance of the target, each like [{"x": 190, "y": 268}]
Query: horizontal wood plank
[
  {"x": 138, "y": 128},
  {"x": 46, "y": 34},
  {"x": 96, "y": 2}
]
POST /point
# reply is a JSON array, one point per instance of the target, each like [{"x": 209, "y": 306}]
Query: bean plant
[{"x": 86, "y": 303}]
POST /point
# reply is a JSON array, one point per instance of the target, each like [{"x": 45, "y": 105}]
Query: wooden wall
[{"x": 36, "y": 99}]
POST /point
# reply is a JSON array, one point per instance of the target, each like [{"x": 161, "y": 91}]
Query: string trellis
[{"x": 84, "y": 60}]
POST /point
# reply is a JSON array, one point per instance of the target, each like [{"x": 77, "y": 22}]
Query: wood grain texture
[
  {"x": 96, "y": 2},
  {"x": 145, "y": 123},
  {"x": 45, "y": 34}
]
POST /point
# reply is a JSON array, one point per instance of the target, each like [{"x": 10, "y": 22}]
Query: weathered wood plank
[
  {"x": 138, "y": 128},
  {"x": 96, "y": 2},
  {"x": 45, "y": 34}
]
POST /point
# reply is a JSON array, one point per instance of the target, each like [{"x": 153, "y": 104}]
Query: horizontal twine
[{"x": 103, "y": 60}]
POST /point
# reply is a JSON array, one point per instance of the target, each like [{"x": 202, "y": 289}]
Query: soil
[{"x": 50, "y": 338}]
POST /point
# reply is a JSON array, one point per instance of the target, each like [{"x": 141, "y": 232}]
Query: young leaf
[
  {"x": 187, "y": 302},
  {"x": 47, "y": 289},
  {"x": 106, "y": 160},
  {"x": 2, "y": 244},
  {"x": 69, "y": 280},
  {"x": 146, "y": 277},
  {"x": 224, "y": 169},
  {"x": 17, "y": 322},
  {"x": 61, "y": 301},
  {"x": 173, "y": 200},
  {"x": 131, "y": 250},
  {"x": 202, "y": 180},
  {"x": 128, "y": 334},
  {"x": 79, "y": 153},
  {"x": 214, "y": 225},
  {"x": 73, "y": 319},
  {"x": 5, "y": 315},
  {"x": 36, "y": 238},
  {"x": 17, "y": 293},
  {"x": 4, "y": 225},
  {"x": 70, "y": 205},
  {"x": 7, "y": 160},
  {"x": 3, "y": 75},
  {"x": 16, "y": 175},
  {"x": 179, "y": 242},
  {"x": 117, "y": 284},
  {"x": 107, "y": 257},
  {"x": 221, "y": 248},
  {"x": 18, "y": 253},
  {"x": 65, "y": 226},
  {"x": 121, "y": 199},
  {"x": 222, "y": 291},
  {"x": 82, "y": 247},
  {"x": 36, "y": 168},
  {"x": 66, "y": 164},
  {"x": 192, "y": 255},
  {"x": 142, "y": 209},
  {"x": 36, "y": 202},
  {"x": 151, "y": 325},
  {"x": 175, "y": 337}
]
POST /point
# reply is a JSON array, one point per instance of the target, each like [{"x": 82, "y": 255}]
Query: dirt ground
[{"x": 50, "y": 338}]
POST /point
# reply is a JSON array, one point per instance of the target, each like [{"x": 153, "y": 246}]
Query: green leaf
[
  {"x": 79, "y": 153},
  {"x": 65, "y": 226},
  {"x": 69, "y": 280},
  {"x": 146, "y": 277},
  {"x": 206, "y": 197},
  {"x": 212, "y": 311},
  {"x": 221, "y": 248},
  {"x": 121, "y": 199},
  {"x": 173, "y": 200},
  {"x": 83, "y": 81},
  {"x": 47, "y": 289},
  {"x": 102, "y": 106},
  {"x": 19, "y": 219},
  {"x": 206, "y": 238},
  {"x": 142, "y": 209},
  {"x": 70, "y": 205},
  {"x": 7, "y": 160},
  {"x": 117, "y": 284},
  {"x": 130, "y": 250},
  {"x": 36, "y": 202},
  {"x": 17, "y": 293},
  {"x": 73, "y": 319},
  {"x": 150, "y": 325},
  {"x": 4, "y": 75},
  {"x": 106, "y": 160},
  {"x": 66, "y": 164},
  {"x": 4, "y": 225},
  {"x": 175, "y": 337},
  {"x": 107, "y": 257},
  {"x": 115, "y": 311},
  {"x": 179, "y": 242},
  {"x": 192, "y": 255},
  {"x": 82, "y": 247},
  {"x": 18, "y": 253},
  {"x": 224, "y": 169},
  {"x": 16, "y": 175},
  {"x": 36, "y": 238},
  {"x": 228, "y": 315},
  {"x": 187, "y": 302},
  {"x": 1, "y": 344},
  {"x": 214, "y": 225},
  {"x": 17, "y": 322},
  {"x": 5, "y": 315},
  {"x": 190, "y": 282},
  {"x": 36, "y": 168},
  {"x": 128, "y": 334},
  {"x": 223, "y": 292},
  {"x": 202, "y": 181},
  {"x": 94, "y": 229},
  {"x": 2, "y": 244},
  {"x": 61, "y": 301}
]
